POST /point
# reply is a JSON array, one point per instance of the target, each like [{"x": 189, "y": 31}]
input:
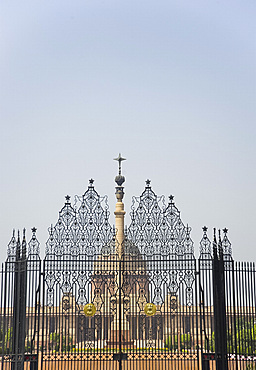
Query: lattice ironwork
[
  {"x": 34, "y": 247},
  {"x": 205, "y": 246},
  {"x": 11, "y": 248},
  {"x": 155, "y": 266},
  {"x": 226, "y": 245},
  {"x": 222, "y": 248},
  {"x": 157, "y": 229},
  {"x": 81, "y": 234},
  {"x": 164, "y": 241},
  {"x": 82, "y": 229}
]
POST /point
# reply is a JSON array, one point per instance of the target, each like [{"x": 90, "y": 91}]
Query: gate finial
[
  {"x": 214, "y": 244},
  {"x": 24, "y": 245},
  {"x": 18, "y": 246}
]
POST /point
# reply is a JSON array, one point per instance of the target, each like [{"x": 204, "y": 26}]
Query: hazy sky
[{"x": 169, "y": 84}]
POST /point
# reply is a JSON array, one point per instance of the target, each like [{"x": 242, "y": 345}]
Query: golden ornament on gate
[
  {"x": 150, "y": 309},
  {"x": 89, "y": 309}
]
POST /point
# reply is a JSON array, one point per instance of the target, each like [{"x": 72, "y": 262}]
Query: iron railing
[{"x": 156, "y": 306}]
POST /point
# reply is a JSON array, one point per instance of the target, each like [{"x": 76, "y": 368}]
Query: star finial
[
  {"x": 225, "y": 230},
  {"x": 171, "y": 197},
  {"x": 148, "y": 182},
  {"x": 119, "y": 159},
  {"x": 91, "y": 181},
  {"x": 67, "y": 197}
]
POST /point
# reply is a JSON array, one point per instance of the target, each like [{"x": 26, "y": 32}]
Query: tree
[{"x": 240, "y": 340}]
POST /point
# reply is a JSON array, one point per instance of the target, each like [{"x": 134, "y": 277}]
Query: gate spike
[
  {"x": 214, "y": 244},
  {"x": 18, "y": 246},
  {"x": 220, "y": 247},
  {"x": 24, "y": 245}
]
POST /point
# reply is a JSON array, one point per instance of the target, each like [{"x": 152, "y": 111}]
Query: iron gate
[{"x": 145, "y": 304}]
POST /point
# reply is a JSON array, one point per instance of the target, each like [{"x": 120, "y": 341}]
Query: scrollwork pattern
[
  {"x": 158, "y": 229},
  {"x": 164, "y": 242},
  {"x": 82, "y": 229}
]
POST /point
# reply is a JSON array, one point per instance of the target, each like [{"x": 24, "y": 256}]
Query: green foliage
[
  {"x": 1, "y": 341},
  {"x": 55, "y": 341},
  {"x": 171, "y": 342},
  {"x": 211, "y": 343},
  {"x": 8, "y": 341},
  {"x": 241, "y": 341},
  {"x": 251, "y": 367},
  {"x": 244, "y": 337}
]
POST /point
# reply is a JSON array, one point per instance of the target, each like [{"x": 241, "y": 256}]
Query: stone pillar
[
  {"x": 119, "y": 334},
  {"x": 119, "y": 218}
]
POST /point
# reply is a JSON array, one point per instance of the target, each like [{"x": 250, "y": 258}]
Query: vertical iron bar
[
  {"x": 234, "y": 313},
  {"x": 19, "y": 311},
  {"x": 219, "y": 312},
  {"x": 15, "y": 331},
  {"x": 43, "y": 308},
  {"x": 5, "y": 307},
  {"x": 120, "y": 312}
]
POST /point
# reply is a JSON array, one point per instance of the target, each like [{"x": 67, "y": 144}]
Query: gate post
[
  {"x": 219, "y": 305},
  {"x": 19, "y": 306}
]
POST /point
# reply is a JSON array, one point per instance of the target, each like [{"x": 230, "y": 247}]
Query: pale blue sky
[{"x": 169, "y": 84}]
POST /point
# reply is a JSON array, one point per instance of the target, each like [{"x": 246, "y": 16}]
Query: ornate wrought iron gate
[{"x": 148, "y": 303}]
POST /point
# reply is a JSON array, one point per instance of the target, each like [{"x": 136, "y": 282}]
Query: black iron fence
[{"x": 154, "y": 306}]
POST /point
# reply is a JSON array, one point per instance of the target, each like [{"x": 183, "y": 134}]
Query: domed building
[
  {"x": 120, "y": 270},
  {"x": 104, "y": 294}
]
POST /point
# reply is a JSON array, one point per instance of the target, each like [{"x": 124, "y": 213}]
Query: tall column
[
  {"x": 119, "y": 218},
  {"x": 119, "y": 322},
  {"x": 119, "y": 212},
  {"x": 119, "y": 334}
]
